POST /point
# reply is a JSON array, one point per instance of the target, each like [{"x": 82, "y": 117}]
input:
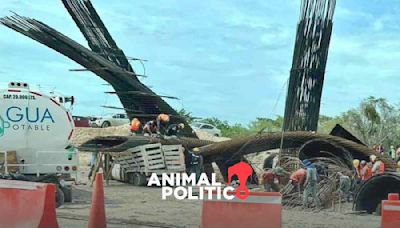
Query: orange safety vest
[
  {"x": 135, "y": 125},
  {"x": 369, "y": 173},
  {"x": 382, "y": 167}
]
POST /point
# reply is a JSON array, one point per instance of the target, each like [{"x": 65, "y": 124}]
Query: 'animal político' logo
[{"x": 180, "y": 185}]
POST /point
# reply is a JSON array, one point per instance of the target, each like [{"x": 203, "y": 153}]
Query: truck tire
[
  {"x": 59, "y": 197},
  {"x": 67, "y": 190},
  {"x": 137, "y": 179},
  {"x": 106, "y": 124},
  {"x": 130, "y": 177},
  {"x": 123, "y": 175}
]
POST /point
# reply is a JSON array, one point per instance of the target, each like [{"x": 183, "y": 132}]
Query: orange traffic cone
[
  {"x": 49, "y": 218},
  {"x": 97, "y": 217}
]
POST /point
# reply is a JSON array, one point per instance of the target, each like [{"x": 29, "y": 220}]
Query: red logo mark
[{"x": 243, "y": 172}]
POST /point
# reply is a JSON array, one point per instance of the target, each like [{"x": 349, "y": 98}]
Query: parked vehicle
[
  {"x": 108, "y": 121},
  {"x": 81, "y": 121},
  {"x": 207, "y": 128}
]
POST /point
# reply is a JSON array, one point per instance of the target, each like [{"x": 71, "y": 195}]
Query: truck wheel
[
  {"x": 123, "y": 175},
  {"x": 67, "y": 190},
  {"x": 106, "y": 124},
  {"x": 59, "y": 197},
  {"x": 137, "y": 179},
  {"x": 130, "y": 178}
]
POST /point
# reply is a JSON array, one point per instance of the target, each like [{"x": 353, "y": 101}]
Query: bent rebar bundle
[
  {"x": 372, "y": 192},
  {"x": 104, "y": 59},
  {"x": 236, "y": 148},
  {"x": 308, "y": 67}
]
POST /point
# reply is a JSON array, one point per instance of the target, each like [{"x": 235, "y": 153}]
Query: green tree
[
  {"x": 186, "y": 115},
  {"x": 227, "y": 130},
  {"x": 375, "y": 121},
  {"x": 326, "y": 123},
  {"x": 266, "y": 125}
]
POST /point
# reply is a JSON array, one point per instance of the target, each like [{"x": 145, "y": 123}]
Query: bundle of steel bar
[
  {"x": 308, "y": 67},
  {"x": 105, "y": 59},
  {"x": 234, "y": 149}
]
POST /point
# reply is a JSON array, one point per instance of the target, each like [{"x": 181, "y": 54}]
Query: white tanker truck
[{"x": 36, "y": 129}]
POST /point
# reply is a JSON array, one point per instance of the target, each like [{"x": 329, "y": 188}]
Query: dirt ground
[{"x": 130, "y": 206}]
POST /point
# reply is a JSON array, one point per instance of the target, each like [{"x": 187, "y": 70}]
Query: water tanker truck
[{"x": 35, "y": 134}]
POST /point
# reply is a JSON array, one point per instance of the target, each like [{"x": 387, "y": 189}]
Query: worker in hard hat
[
  {"x": 378, "y": 167},
  {"x": 344, "y": 186},
  {"x": 297, "y": 178},
  {"x": 392, "y": 152},
  {"x": 136, "y": 126},
  {"x": 150, "y": 127},
  {"x": 310, "y": 184},
  {"x": 175, "y": 129},
  {"x": 363, "y": 171},
  {"x": 356, "y": 164},
  {"x": 269, "y": 176},
  {"x": 162, "y": 121},
  {"x": 366, "y": 171},
  {"x": 196, "y": 162}
]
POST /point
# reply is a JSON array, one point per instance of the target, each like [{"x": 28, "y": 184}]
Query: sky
[{"x": 228, "y": 59}]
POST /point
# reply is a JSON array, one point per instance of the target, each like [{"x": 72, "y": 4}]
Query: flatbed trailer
[{"x": 137, "y": 164}]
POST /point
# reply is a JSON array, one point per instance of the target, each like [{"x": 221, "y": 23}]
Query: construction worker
[
  {"x": 162, "y": 120},
  {"x": 378, "y": 167},
  {"x": 150, "y": 127},
  {"x": 174, "y": 129},
  {"x": 268, "y": 179},
  {"x": 366, "y": 170},
  {"x": 392, "y": 152},
  {"x": 297, "y": 179},
  {"x": 356, "y": 164},
  {"x": 372, "y": 159},
  {"x": 344, "y": 186},
  {"x": 136, "y": 126},
  {"x": 196, "y": 162},
  {"x": 311, "y": 184},
  {"x": 362, "y": 170},
  {"x": 322, "y": 170}
]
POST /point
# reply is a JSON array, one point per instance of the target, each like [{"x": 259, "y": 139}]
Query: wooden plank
[
  {"x": 173, "y": 163},
  {"x": 172, "y": 158},
  {"x": 155, "y": 162},
  {"x": 171, "y": 153},
  {"x": 159, "y": 166},
  {"x": 155, "y": 156},
  {"x": 148, "y": 147},
  {"x": 159, "y": 152}
]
